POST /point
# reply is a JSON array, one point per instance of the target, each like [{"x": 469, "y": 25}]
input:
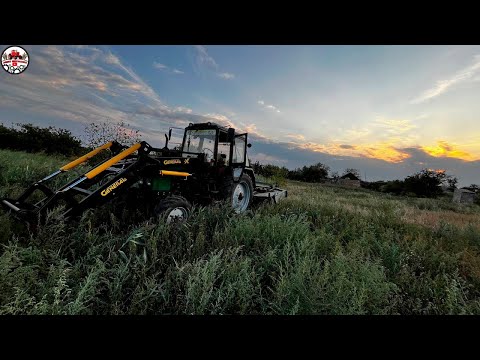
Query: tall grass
[{"x": 323, "y": 250}]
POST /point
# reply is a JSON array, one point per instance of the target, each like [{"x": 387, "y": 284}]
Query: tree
[
  {"x": 425, "y": 183},
  {"x": 452, "y": 183},
  {"x": 474, "y": 187},
  {"x": 315, "y": 173}
]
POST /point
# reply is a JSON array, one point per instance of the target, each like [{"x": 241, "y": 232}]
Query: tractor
[{"x": 209, "y": 165}]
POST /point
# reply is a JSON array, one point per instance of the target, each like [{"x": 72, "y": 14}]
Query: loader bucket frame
[{"x": 80, "y": 186}]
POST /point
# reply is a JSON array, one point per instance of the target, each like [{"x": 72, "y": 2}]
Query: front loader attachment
[{"x": 109, "y": 177}]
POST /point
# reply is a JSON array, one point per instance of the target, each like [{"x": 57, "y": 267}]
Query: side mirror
[
  {"x": 249, "y": 145},
  {"x": 170, "y": 134},
  {"x": 231, "y": 135}
]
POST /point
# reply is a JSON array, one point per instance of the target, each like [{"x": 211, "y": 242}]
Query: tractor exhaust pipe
[{"x": 166, "y": 142}]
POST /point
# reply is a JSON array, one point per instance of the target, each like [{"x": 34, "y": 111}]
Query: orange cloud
[
  {"x": 388, "y": 153},
  {"x": 444, "y": 149},
  {"x": 438, "y": 171},
  {"x": 382, "y": 151}
]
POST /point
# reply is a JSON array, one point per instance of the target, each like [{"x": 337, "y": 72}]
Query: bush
[
  {"x": 393, "y": 187},
  {"x": 313, "y": 173},
  {"x": 274, "y": 173},
  {"x": 426, "y": 183},
  {"x": 30, "y": 138}
]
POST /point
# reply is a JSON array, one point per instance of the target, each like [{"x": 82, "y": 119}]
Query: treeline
[
  {"x": 30, "y": 138},
  {"x": 425, "y": 183},
  {"x": 52, "y": 140},
  {"x": 313, "y": 173}
]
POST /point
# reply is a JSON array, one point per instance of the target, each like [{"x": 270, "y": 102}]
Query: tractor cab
[{"x": 218, "y": 145}]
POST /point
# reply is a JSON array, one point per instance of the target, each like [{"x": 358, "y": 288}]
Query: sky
[{"x": 388, "y": 111}]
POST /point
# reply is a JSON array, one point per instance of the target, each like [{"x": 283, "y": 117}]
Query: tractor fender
[{"x": 249, "y": 172}]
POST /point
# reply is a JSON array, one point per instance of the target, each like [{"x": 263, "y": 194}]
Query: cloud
[
  {"x": 85, "y": 84},
  {"x": 184, "y": 109},
  {"x": 297, "y": 137},
  {"x": 395, "y": 126},
  {"x": 164, "y": 67},
  {"x": 111, "y": 59},
  {"x": 267, "y": 159},
  {"x": 157, "y": 65},
  {"x": 443, "y": 86},
  {"x": 205, "y": 61},
  {"x": 203, "y": 58},
  {"x": 226, "y": 76},
  {"x": 444, "y": 149},
  {"x": 268, "y": 106},
  {"x": 381, "y": 151}
]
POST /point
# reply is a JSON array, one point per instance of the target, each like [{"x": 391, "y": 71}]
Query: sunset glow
[{"x": 443, "y": 149}]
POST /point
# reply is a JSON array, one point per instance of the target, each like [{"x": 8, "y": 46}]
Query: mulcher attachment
[{"x": 265, "y": 191}]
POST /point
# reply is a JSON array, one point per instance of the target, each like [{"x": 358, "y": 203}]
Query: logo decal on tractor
[
  {"x": 172, "y": 161},
  {"x": 15, "y": 60},
  {"x": 113, "y": 186}
]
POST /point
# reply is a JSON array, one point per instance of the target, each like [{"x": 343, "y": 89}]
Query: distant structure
[
  {"x": 463, "y": 196},
  {"x": 350, "y": 180},
  {"x": 349, "y": 176}
]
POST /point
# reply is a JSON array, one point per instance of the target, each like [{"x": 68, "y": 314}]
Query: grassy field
[{"x": 324, "y": 250}]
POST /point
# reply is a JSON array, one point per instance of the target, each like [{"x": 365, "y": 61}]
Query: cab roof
[{"x": 207, "y": 125}]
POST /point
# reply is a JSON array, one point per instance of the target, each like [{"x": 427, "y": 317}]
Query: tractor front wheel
[{"x": 175, "y": 208}]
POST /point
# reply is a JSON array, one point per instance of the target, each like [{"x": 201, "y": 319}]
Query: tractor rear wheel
[
  {"x": 174, "y": 207},
  {"x": 239, "y": 194}
]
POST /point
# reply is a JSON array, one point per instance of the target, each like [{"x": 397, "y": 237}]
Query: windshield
[{"x": 200, "y": 141}]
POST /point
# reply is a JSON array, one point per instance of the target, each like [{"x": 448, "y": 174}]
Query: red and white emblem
[{"x": 15, "y": 59}]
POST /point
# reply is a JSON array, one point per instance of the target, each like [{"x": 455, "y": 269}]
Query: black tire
[
  {"x": 228, "y": 190},
  {"x": 172, "y": 205}
]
